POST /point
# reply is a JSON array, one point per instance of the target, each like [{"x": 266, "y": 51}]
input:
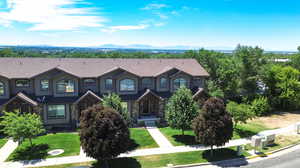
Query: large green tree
[
  {"x": 251, "y": 60},
  {"x": 103, "y": 133},
  {"x": 21, "y": 126},
  {"x": 283, "y": 86},
  {"x": 181, "y": 109},
  {"x": 213, "y": 126}
]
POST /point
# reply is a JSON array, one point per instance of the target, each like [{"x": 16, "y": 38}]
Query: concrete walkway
[
  {"x": 158, "y": 137},
  {"x": 7, "y": 149},
  {"x": 165, "y": 148}
]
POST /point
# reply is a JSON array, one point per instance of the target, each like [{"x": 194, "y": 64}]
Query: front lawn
[
  {"x": 69, "y": 142},
  {"x": 241, "y": 131},
  {"x": 176, "y": 138},
  {"x": 142, "y": 138},
  {"x": 2, "y": 142},
  {"x": 153, "y": 161},
  {"x": 249, "y": 129}
]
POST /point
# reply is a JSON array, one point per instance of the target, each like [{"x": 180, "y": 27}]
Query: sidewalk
[
  {"x": 158, "y": 137},
  {"x": 7, "y": 149},
  {"x": 141, "y": 152},
  {"x": 165, "y": 148}
]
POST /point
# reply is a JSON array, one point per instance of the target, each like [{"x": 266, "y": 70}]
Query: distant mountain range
[
  {"x": 131, "y": 48},
  {"x": 177, "y": 47}
]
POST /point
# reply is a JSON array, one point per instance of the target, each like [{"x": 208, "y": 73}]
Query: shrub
[
  {"x": 260, "y": 106},
  {"x": 240, "y": 112}
]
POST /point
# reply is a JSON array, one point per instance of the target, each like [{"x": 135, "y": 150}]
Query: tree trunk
[
  {"x": 211, "y": 151},
  {"x": 104, "y": 164},
  {"x": 182, "y": 131},
  {"x": 30, "y": 140}
]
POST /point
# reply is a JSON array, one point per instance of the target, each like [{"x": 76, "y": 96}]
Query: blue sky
[{"x": 271, "y": 24}]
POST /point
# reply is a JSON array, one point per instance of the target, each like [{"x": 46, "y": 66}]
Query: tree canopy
[
  {"x": 181, "y": 109},
  {"x": 103, "y": 133},
  {"x": 213, "y": 126},
  {"x": 21, "y": 126}
]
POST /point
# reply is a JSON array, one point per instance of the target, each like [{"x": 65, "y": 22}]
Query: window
[
  {"x": 22, "y": 83},
  {"x": 44, "y": 84},
  {"x": 88, "y": 82},
  {"x": 147, "y": 83},
  {"x": 56, "y": 111},
  {"x": 127, "y": 85},
  {"x": 108, "y": 84},
  {"x": 179, "y": 82},
  {"x": 65, "y": 86},
  {"x": 163, "y": 83},
  {"x": 1, "y": 88}
]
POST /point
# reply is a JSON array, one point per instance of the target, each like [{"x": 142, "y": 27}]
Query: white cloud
[
  {"x": 154, "y": 6},
  {"x": 50, "y": 14},
  {"x": 159, "y": 24},
  {"x": 127, "y": 27},
  {"x": 161, "y": 15}
]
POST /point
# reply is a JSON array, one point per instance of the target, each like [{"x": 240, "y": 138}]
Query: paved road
[{"x": 289, "y": 160}]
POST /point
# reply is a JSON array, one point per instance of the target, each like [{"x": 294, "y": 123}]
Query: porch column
[{"x": 135, "y": 110}]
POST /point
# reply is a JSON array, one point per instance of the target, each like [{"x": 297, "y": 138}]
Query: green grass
[
  {"x": 248, "y": 130},
  {"x": 142, "y": 138},
  {"x": 241, "y": 131},
  {"x": 2, "y": 142},
  {"x": 154, "y": 161},
  {"x": 176, "y": 138},
  {"x": 69, "y": 142}
]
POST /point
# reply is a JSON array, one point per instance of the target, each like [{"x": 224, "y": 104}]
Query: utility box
[
  {"x": 264, "y": 143},
  {"x": 256, "y": 141},
  {"x": 297, "y": 128},
  {"x": 270, "y": 139}
]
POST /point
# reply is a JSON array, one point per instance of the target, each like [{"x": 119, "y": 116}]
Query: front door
[{"x": 145, "y": 107}]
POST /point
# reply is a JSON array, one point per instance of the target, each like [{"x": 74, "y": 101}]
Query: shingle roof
[
  {"x": 95, "y": 67},
  {"x": 23, "y": 97}
]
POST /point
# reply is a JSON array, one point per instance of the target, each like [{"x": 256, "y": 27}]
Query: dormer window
[
  {"x": 65, "y": 86},
  {"x": 127, "y": 85},
  {"x": 44, "y": 85},
  {"x": 108, "y": 84},
  {"x": 1, "y": 88},
  {"x": 89, "y": 82},
  {"x": 179, "y": 83},
  {"x": 22, "y": 83}
]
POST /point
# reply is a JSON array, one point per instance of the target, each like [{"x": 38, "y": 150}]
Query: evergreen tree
[
  {"x": 213, "y": 126},
  {"x": 181, "y": 109}
]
